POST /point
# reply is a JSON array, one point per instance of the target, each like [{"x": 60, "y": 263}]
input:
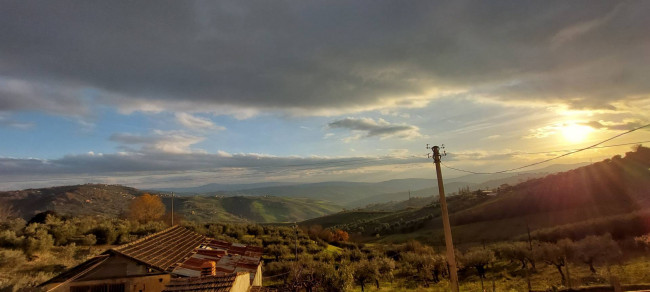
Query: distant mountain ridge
[{"x": 360, "y": 194}]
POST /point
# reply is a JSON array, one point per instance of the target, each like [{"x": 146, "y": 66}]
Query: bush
[
  {"x": 40, "y": 241},
  {"x": 12, "y": 258},
  {"x": 104, "y": 235},
  {"x": 9, "y": 239}
]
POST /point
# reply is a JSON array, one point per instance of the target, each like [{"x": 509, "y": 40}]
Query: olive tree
[{"x": 478, "y": 258}]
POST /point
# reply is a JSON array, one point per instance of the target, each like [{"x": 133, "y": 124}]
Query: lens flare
[{"x": 574, "y": 133}]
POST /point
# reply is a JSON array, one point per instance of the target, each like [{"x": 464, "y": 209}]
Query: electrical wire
[{"x": 553, "y": 158}]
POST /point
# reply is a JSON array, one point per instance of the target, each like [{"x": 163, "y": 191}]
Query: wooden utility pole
[
  {"x": 172, "y": 208},
  {"x": 449, "y": 243}
]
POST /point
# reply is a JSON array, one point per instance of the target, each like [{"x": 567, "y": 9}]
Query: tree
[
  {"x": 478, "y": 258},
  {"x": 557, "y": 254},
  {"x": 337, "y": 279},
  {"x": 366, "y": 271},
  {"x": 278, "y": 251},
  {"x": 516, "y": 251},
  {"x": 386, "y": 267},
  {"x": 425, "y": 264},
  {"x": 36, "y": 239},
  {"x": 597, "y": 249},
  {"x": 146, "y": 208},
  {"x": 340, "y": 235},
  {"x": 306, "y": 274}
]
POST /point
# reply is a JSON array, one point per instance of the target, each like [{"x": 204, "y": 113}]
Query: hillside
[
  {"x": 393, "y": 201},
  {"x": 88, "y": 199},
  {"x": 614, "y": 188},
  {"x": 263, "y": 209},
  {"x": 347, "y": 194},
  {"x": 113, "y": 201}
]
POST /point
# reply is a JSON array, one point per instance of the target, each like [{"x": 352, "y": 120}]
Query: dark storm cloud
[{"x": 314, "y": 56}]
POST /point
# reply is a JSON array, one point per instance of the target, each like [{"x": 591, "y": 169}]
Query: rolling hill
[
  {"x": 113, "y": 201},
  {"x": 262, "y": 209},
  {"x": 88, "y": 199}
]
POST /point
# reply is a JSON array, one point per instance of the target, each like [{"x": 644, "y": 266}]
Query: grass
[
  {"x": 17, "y": 272},
  {"x": 333, "y": 249},
  {"x": 632, "y": 272}
]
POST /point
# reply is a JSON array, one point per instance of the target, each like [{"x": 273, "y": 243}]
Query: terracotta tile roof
[
  {"x": 235, "y": 248},
  {"x": 165, "y": 249},
  {"x": 201, "y": 284},
  {"x": 225, "y": 262}
]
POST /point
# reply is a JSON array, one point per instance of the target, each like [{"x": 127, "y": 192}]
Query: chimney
[{"x": 208, "y": 268}]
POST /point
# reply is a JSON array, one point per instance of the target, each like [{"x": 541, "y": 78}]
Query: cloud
[
  {"x": 380, "y": 128},
  {"x": 545, "y": 131},
  {"x": 160, "y": 141},
  {"x": 617, "y": 126},
  {"x": 197, "y": 123},
  {"x": 315, "y": 58},
  {"x": 154, "y": 169},
  {"x": 7, "y": 121}
]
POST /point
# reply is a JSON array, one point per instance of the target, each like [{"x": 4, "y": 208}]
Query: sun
[{"x": 575, "y": 133}]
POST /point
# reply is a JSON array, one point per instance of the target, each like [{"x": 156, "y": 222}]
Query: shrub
[
  {"x": 40, "y": 241},
  {"x": 13, "y": 258},
  {"x": 9, "y": 239}
]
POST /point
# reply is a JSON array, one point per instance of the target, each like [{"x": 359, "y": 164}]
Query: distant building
[{"x": 175, "y": 259}]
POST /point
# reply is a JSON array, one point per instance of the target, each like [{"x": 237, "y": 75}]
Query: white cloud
[
  {"x": 160, "y": 141},
  {"x": 197, "y": 123}
]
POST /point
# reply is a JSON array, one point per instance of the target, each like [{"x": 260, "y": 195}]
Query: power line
[{"x": 554, "y": 158}]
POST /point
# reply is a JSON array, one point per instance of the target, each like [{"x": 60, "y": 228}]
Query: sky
[{"x": 185, "y": 93}]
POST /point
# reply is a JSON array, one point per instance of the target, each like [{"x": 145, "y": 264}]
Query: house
[{"x": 171, "y": 260}]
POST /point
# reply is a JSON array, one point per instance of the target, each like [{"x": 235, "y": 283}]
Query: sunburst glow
[{"x": 575, "y": 133}]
